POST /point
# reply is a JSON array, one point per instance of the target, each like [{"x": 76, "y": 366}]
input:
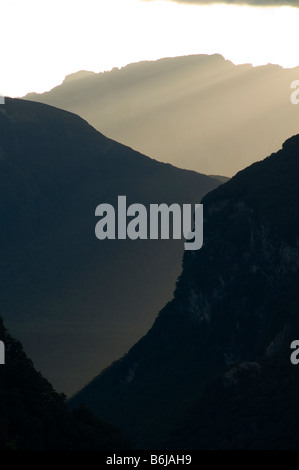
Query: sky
[{"x": 42, "y": 41}]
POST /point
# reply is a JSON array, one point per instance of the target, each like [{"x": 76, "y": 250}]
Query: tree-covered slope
[
  {"x": 228, "y": 311},
  {"x": 34, "y": 417}
]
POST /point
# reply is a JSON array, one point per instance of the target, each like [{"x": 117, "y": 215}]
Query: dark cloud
[{"x": 262, "y": 3}]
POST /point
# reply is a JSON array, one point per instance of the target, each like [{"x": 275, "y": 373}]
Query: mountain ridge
[
  {"x": 172, "y": 108},
  {"x": 225, "y": 313},
  {"x": 74, "y": 301}
]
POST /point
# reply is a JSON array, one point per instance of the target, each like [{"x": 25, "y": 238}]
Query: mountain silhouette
[
  {"x": 214, "y": 371},
  {"x": 75, "y": 302},
  {"x": 35, "y": 417},
  {"x": 198, "y": 112}
]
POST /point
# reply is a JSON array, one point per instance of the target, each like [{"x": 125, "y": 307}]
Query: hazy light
[{"x": 41, "y": 42}]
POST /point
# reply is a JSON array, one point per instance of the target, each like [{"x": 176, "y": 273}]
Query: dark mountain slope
[
  {"x": 253, "y": 405},
  {"x": 34, "y": 417},
  {"x": 199, "y": 112},
  {"x": 224, "y": 310},
  {"x": 75, "y": 302}
]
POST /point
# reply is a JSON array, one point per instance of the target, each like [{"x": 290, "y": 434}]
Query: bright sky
[{"x": 43, "y": 41}]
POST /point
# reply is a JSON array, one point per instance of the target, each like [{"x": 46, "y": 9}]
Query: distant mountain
[
  {"x": 35, "y": 417},
  {"x": 75, "y": 302},
  {"x": 222, "y": 179},
  {"x": 199, "y": 112},
  {"x": 214, "y": 371}
]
